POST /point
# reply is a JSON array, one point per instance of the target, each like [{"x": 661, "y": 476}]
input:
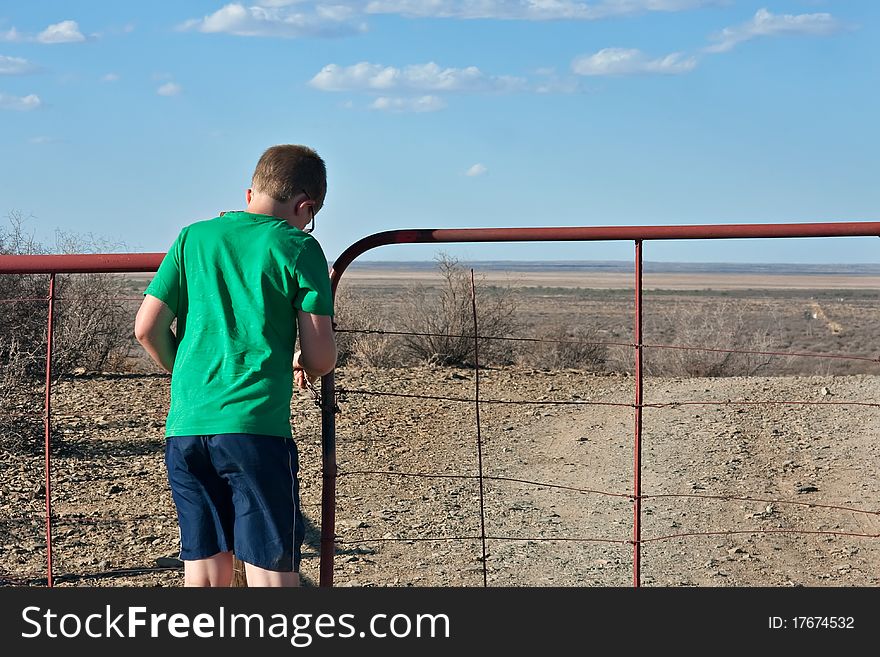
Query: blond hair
[{"x": 286, "y": 170}]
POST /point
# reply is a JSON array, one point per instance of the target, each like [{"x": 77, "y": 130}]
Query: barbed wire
[
  {"x": 758, "y": 531},
  {"x": 341, "y": 472},
  {"x": 583, "y": 402},
  {"x": 56, "y": 299},
  {"x": 593, "y": 539},
  {"x": 544, "y": 484},
  {"x": 644, "y": 345},
  {"x": 481, "y": 537}
]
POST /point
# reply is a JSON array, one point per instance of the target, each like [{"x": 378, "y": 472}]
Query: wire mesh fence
[{"x": 615, "y": 504}]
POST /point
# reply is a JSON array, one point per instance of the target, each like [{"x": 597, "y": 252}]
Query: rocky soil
[{"x": 746, "y": 493}]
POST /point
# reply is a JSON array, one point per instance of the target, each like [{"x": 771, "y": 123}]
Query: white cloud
[
  {"x": 365, "y": 76},
  {"x": 110, "y": 77},
  {"x": 63, "y": 32},
  {"x": 631, "y": 61},
  {"x": 42, "y": 140},
  {"x": 476, "y": 170},
  {"x": 527, "y": 9},
  {"x": 419, "y": 104},
  {"x": 765, "y": 24},
  {"x": 549, "y": 82},
  {"x": 15, "y": 66},
  {"x": 11, "y": 35},
  {"x": 278, "y": 3},
  {"x": 20, "y": 103},
  {"x": 274, "y": 20},
  {"x": 299, "y": 18},
  {"x": 169, "y": 89}
]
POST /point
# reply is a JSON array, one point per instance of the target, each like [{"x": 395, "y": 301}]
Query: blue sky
[{"x": 130, "y": 120}]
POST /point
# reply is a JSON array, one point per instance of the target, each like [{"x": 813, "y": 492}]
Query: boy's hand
[
  {"x": 300, "y": 376},
  {"x": 302, "y": 379}
]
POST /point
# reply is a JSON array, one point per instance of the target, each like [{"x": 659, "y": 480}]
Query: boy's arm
[
  {"x": 317, "y": 355},
  {"x": 152, "y": 328}
]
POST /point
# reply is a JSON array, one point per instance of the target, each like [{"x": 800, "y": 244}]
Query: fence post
[
  {"x": 47, "y": 424},
  {"x": 477, "y": 412},
  {"x": 328, "y": 478},
  {"x": 637, "y": 449}
]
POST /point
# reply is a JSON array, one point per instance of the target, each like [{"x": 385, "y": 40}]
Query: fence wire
[{"x": 343, "y": 391}]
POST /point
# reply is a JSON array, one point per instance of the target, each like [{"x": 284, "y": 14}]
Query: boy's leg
[
  {"x": 257, "y": 576},
  {"x": 214, "y": 571},
  {"x": 205, "y": 515},
  {"x": 268, "y": 534}
]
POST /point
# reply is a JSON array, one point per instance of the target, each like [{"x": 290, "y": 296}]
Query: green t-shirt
[{"x": 235, "y": 283}]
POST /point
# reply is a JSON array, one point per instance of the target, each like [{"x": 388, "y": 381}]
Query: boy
[{"x": 241, "y": 286}]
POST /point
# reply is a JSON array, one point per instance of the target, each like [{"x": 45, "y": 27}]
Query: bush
[
  {"x": 20, "y": 398},
  {"x": 564, "y": 347},
  {"x": 721, "y": 327},
  {"x": 25, "y": 314},
  {"x": 95, "y": 327},
  {"x": 444, "y": 319},
  {"x": 90, "y": 329},
  {"x": 91, "y": 326},
  {"x": 356, "y": 314}
]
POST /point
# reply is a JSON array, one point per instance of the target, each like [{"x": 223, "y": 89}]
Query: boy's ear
[
  {"x": 248, "y": 194},
  {"x": 305, "y": 205}
]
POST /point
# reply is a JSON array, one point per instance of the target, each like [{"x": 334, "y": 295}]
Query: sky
[{"x": 130, "y": 120}]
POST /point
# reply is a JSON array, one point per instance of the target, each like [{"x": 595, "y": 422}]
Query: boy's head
[{"x": 286, "y": 170}]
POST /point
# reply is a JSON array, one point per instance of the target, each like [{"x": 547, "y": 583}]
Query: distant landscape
[
  {"x": 590, "y": 266},
  {"x": 619, "y": 274}
]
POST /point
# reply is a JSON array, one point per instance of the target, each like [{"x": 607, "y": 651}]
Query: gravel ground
[{"x": 777, "y": 494}]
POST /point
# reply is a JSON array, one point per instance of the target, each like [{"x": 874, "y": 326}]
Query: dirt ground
[{"x": 746, "y": 493}]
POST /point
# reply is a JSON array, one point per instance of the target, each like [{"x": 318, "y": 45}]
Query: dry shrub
[
  {"x": 94, "y": 329},
  {"x": 716, "y": 330},
  {"x": 377, "y": 350},
  {"x": 359, "y": 338},
  {"x": 20, "y": 397},
  {"x": 94, "y": 326},
  {"x": 22, "y": 345},
  {"x": 90, "y": 329},
  {"x": 91, "y": 326},
  {"x": 24, "y": 315},
  {"x": 444, "y": 321},
  {"x": 565, "y": 347}
]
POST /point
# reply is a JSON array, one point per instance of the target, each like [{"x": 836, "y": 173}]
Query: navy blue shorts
[{"x": 238, "y": 492}]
